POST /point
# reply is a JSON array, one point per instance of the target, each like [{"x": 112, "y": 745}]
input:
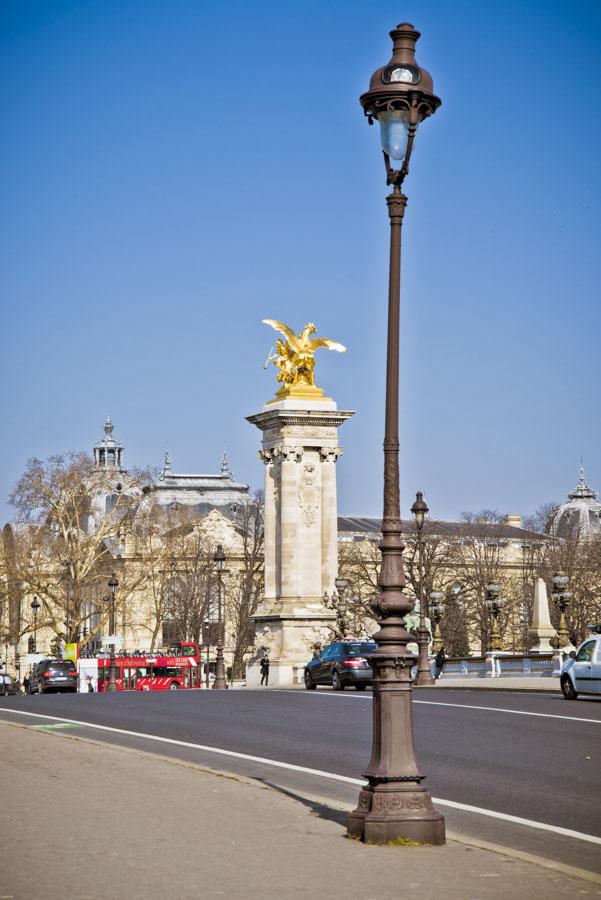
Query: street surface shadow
[{"x": 319, "y": 809}]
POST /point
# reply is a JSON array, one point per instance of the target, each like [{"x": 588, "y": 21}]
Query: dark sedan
[
  {"x": 53, "y": 675},
  {"x": 341, "y": 664}
]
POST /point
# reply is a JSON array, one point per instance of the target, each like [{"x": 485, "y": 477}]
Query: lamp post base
[{"x": 396, "y": 816}]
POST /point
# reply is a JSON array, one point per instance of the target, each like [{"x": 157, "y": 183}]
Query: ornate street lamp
[
  {"x": 562, "y": 598},
  {"x": 220, "y": 681},
  {"x": 424, "y": 676},
  {"x": 436, "y": 609},
  {"x": 395, "y": 803},
  {"x": 35, "y": 606},
  {"x": 341, "y": 607},
  {"x": 113, "y": 585},
  {"x": 67, "y": 567},
  {"x": 494, "y": 602}
]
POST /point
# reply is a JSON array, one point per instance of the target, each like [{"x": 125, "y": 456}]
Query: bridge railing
[{"x": 503, "y": 665}]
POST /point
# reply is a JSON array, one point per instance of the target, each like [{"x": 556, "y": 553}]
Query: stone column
[
  {"x": 300, "y": 449},
  {"x": 541, "y": 632}
]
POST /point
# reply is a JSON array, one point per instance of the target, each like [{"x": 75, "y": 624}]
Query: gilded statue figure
[{"x": 295, "y": 357}]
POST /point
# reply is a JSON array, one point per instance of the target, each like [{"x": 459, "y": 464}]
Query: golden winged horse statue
[{"x": 295, "y": 358}]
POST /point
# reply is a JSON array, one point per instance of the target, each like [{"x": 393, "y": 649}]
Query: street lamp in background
[
  {"x": 113, "y": 585},
  {"x": 494, "y": 602},
  {"x": 424, "y": 675},
  {"x": 395, "y": 804},
  {"x": 35, "y": 607},
  {"x": 562, "y": 597},
  {"x": 436, "y": 608},
  {"x": 341, "y": 607},
  {"x": 67, "y": 566},
  {"x": 220, "y": 681}
]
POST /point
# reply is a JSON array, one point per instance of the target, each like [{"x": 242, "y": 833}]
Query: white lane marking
[
  {"x": 274, "y": 763},
  {"x": 515, "y": 712}
]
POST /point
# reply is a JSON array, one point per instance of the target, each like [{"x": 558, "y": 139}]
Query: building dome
[{"x": 581, "y": 515}]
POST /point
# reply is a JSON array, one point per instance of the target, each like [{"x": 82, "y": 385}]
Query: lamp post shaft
[{"x": 394, "y": 804}]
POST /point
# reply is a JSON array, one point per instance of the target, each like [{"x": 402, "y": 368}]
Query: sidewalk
[{"x": 87, "y": 820}]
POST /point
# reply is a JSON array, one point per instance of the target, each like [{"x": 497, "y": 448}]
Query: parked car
[
  {"x": 581, "y": 673},
  {"x": 341, "y": 664},
  {"x": 53, "y": 675},
  {"x": 8, "y": 686}
]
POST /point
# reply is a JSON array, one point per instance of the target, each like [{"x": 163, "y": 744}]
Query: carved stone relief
[{"x": 308, "y": 495}]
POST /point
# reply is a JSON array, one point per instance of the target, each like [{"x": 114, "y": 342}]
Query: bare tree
[
  {"x": 477, "y": 561},
  {"x": 75, "y": 523}
]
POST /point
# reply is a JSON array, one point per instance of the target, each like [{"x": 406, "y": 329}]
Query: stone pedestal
[
  {"x": 300, "y": 449},
  {"x": 541, "y": 632}
]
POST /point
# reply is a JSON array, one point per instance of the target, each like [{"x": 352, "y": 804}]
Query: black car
[
  {"x": 53, "y": 675},
  {"x": 340, "y": 664}
]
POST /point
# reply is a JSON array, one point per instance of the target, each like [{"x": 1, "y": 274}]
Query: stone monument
[
  {"x": 541, "y": 632},
  {"x": 299, "y": 449}
]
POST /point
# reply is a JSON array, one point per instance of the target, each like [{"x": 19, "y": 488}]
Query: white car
[{"x": 581, "y": 673}]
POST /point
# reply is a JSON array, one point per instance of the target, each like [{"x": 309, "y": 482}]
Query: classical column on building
[{"x": 300, "y": 450}]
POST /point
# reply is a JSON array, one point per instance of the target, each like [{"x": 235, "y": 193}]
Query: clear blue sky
[{"x": 174, "y": 172}]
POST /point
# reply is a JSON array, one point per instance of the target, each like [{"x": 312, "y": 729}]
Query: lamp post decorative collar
[{"x": 394, "y": 804}]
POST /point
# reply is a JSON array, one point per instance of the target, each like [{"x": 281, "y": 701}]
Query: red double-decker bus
[{"x": 180, "y": 670}]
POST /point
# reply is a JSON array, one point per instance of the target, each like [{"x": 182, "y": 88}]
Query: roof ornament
[
  {"x": 108, "y": 427},
  {"x": 582, "y": 489},
  {"x": 225, "y": 466},
  {"x": 166, "y": 465}
]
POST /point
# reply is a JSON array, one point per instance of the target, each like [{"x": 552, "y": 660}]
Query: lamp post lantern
[
  {"x": 35, "y": 606},
  {"x": 395, "y": 804},
  {"x": 424, "y": 675},
  {"x": 220, "y": 680},
  {"x": 494, "y": 602},
  {"x": 562, "y": 597},
  {"x": 113, "y": 585}
]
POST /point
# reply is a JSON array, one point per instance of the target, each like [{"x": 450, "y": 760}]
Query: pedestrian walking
[
  {"x": 265, "y": 671},
  {"x": 26, "y": 684},
  {"x": 90, "y": 684},
  {"x": 439, "y": 662}
]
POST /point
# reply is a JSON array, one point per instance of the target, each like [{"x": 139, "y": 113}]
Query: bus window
[{"x": 167, "y": 671}]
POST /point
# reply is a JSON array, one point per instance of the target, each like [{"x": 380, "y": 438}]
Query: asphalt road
[{"x": 528, "y": 755}]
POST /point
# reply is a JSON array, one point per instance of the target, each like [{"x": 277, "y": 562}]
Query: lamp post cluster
[
  {"x": 494, "y": 603},
  {"x": 220, "y": 682},
  {"x": 395, "y": 804},
  {"x": 436, "y": 610},
  {"x": 424, "y": 676},
  {"x": 338, "y": 602},
  {"x": 562, "y": 596}
]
